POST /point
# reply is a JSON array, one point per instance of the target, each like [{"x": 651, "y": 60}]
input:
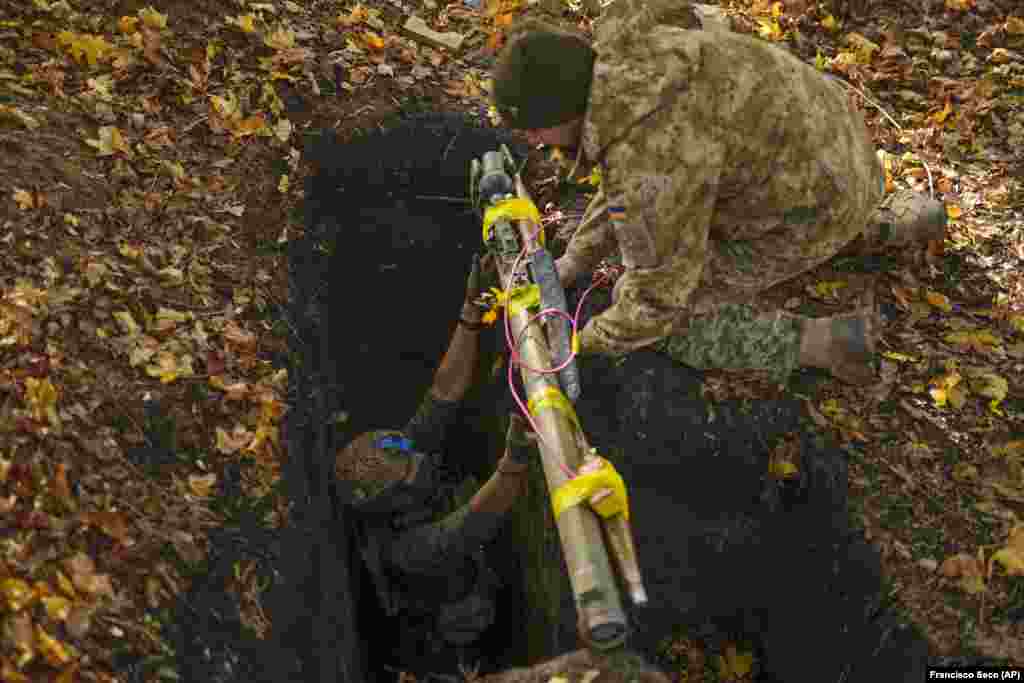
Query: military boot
[
  {"x": 843, "y": 344},
  {"x": 903, "y": 219}
]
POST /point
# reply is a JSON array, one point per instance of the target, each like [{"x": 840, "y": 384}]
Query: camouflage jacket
[{"x": 708, "y": 136}]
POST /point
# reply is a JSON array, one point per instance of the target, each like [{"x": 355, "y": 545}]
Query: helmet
[{"x": 386, "y": 472}]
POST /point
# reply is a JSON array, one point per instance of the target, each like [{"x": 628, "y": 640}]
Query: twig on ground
[{"x": 876, "y": 105}]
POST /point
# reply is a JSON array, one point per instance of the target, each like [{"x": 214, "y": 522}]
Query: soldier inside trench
[
  {"x": 728, "y": 166},
  {"x": 422, "y": 551}
]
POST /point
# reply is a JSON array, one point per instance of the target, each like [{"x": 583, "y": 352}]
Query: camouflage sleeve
[
  {"x": 593, "y": 239},
  {"x": 428, "y": 426},
  {"x": 661, "y": 197},
  {"x": 444, "y": 545}
]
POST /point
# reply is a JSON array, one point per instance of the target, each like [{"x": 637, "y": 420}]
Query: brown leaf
[{"x": 113, "y": 524}]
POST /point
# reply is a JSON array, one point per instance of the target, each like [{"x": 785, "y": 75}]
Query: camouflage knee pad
[{"x": 739, "y": 337}]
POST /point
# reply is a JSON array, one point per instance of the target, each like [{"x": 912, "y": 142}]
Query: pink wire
[{"x": 514, "y": 357}]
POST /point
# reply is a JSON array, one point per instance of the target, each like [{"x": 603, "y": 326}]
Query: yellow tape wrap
[
  {"x": 583, "y": 486},
  {"x": 550, "y": 397},
  {"x": 521, "y": 298},
  {"x": 515, "y": 209}
]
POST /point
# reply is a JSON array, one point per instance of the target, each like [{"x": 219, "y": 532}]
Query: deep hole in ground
[{"x": 727, "y": 550}]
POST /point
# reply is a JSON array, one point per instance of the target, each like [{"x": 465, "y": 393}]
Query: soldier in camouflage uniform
[
  {"x": 424, "y": 554},
  {"x": 728, "y": 166}
]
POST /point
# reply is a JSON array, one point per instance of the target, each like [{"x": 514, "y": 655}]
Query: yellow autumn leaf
[
  {"x": 127, "y": 322},
  {"x": 769, "y": 29},
  {"x": 53, "y": 650},
  {"x": 953, "y": 211},
  {"x": 864, "y": 48},
  {"x": 490, "y": 316},
  {"x": 17, "y": 594},
  {"x": 829, "y": 23},
  {"x": 944, "y": 390},
  {"x": 595, "y": 177},
  {"x": 1014, "y": 25},
  {"x": 991, "y": 386},
  {"x": 939, "y": 301},
  {"x": 899, "y": 357},
  {"x": 959, "y": 5},
  {"x": 153, "y": 19},
  {"x": 734, "y": 665},
  {"x": 92, "y": 47},
  {"x": 828, "y": 291},
  {"x": 1000, "y": 55},
  {"x": 24, "y": 199},
  {"x": 280, "y": 39},
  {"x": 167, "y": 319},
  {"x": 168, "y": 367},
  {"x": 57, "y": 607},
  {"x": 245, "y": 22},
  {"x": 939, "y": 117},
  {"x": 820, "y": 61},
  {"x": 201, "y": 485},
  {"x": 373, "y": 41},
  {"x": 782, "y": 469},
  {"x": 127, "y": 24},
  {"x": 1010, "y": 449},
  {"x": 41, "y": 396},
  {"x": 1012, "y": 555},
  {"x": 110, "y": 142},
  {"x": 978, "y": 340}
]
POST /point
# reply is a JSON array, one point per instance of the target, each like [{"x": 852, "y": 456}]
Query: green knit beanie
[{"x": 542, "y": 79}]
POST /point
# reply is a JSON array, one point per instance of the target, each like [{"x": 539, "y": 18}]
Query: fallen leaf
[
  {"x": 990, "y": 385},
  {"x": 970, "y": 571},
  {"x": 947, "y": 389},
  {"x": 24, "y": 199},
  {"x": 1011, "y": 556},
  {"x": 112, "y": 523},
  {"x": 733, "y": 665},
  {"x": 827, "y": 291},
  {"x": 8, "y": 112},
  {"x": 201, "y": 485},
  {"x": 939, "y": 301},
  {"x": 17, "y": 594},
  {"x": 153, "y": 19},
  {"x": 899, "y": 357},
  {"x": 110, "y": 142},
  {"x": 41, "y": 396},
  {"x": 52, "y": 649},
  {"x": 978, "y": 340}
]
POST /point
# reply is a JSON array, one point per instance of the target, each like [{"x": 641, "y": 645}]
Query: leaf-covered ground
[{"x": 150, "y": 168}]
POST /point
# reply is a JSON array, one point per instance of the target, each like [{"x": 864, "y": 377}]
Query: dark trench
[{"x": 727, "y": 551}]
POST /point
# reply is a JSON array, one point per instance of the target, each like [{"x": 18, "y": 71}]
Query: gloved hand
[
  {"x": 479, "y": 274},
  {"x": 521, "y": 444}
]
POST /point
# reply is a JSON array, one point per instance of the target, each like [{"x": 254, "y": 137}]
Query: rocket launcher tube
[{"x": 552, "y": 295}]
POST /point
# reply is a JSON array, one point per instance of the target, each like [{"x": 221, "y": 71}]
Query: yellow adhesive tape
[
  {"x": 515, "y": 209},
  {"x": 522, "y": 298},
  {"x": 583, "y": 486},
  {"x": 550, "y": 397}
]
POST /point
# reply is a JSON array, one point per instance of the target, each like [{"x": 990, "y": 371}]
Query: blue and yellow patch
[{"x": 617, "y": 213}]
